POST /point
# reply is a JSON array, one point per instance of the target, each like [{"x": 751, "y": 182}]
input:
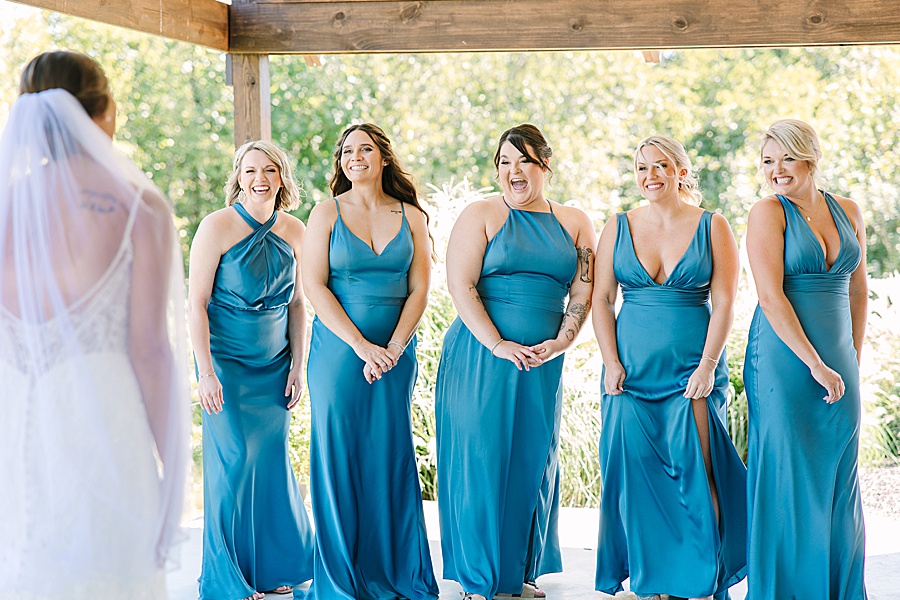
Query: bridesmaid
[
  {"x": 511, "y": 262},
  {"x": 808, "y": 255},
  {"x": 366, "y": 270},
  {"x": 248, "y": 327},
  {"x": 672, "y": 510}
]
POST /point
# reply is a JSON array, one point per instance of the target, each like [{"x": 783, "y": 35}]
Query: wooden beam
[
  {"x": 252, "y": 101},
  {"x": 203, "y": 22},
  {"x": 285, "y": 26}
]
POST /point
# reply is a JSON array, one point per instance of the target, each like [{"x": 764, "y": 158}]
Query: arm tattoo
[
  {"x": 578, "y": 313},
  {"x": 475, "y": 293},
  {"x": 585, "y": 257}
]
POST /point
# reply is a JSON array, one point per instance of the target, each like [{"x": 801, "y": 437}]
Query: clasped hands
[
  {"x": 378, "y": 359},
  {"x": 526, "y": 357}
]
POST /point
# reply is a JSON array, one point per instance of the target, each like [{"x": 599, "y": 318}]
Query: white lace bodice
[{"x": 98, "y": 320}]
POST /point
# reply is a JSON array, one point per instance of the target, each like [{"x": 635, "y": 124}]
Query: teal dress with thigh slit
[
  {"x": 657, "y": 520},
  {"x": 256, "y": 533},
  {"x": 807, "y": 538}
]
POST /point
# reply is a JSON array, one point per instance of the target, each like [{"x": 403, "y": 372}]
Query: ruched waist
[
  {"x": 345, "y": 299},
  {"x": 829, "y": 283},
  {"x": 528, "y": 293},
  {"x": 253, "y": 308},
  {"x": 665, "y": 296}
]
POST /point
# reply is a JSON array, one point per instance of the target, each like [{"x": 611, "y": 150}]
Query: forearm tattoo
[
  {"x": 574, "y": 318},
  {"x": 585, "y": 258}
]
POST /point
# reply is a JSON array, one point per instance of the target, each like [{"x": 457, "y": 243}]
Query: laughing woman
[
  {"x": 248, "y": 327},
  {"x": 366, "y": 270},
  {"x": 672, "y": 512},
  {"x": 511, "y": 262},
  {"x": 808, "y": 255}
]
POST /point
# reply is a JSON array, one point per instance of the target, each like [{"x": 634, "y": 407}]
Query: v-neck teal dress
[
  {"x": 807, "y": 537},
  {"x": 256, "y": 533},
  {"x": 498, "y": 427},
  {"x": 657, "y": 520},
  {"x": 371, "y": 542}
]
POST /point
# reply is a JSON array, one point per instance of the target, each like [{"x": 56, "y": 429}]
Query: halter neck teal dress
[
  {"x": 371, "y": 542},
  {"x": 498, "y": 427},
  {"x": 256, "y": 533},
  {"x": 807, "y": 538},
  {"x": 657, "y": 520}
]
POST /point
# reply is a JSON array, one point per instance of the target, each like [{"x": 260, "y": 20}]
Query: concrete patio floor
[{"x": 578, "y": 531}]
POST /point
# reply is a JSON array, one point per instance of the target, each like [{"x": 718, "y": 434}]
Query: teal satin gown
[
  {"x": 371, "y": 541},
  {"x": 256, "y": 533},
  {"x": 807, "y": 537},
  {"x": 657, "y": 520},
  {"x": 498, "y": 427}
]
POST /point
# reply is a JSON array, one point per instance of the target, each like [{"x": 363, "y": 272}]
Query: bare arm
[
  {"x": 314, "y": 269},
  {"x": 604, "y": 300},
  {"x": 859, "y": 286},
  {"x": 765, "y": 247},
  {"x": 419, "y": 282},
  {"x": 205, "y": 255},
  {"x": 723, "y": 289},
  {"x": 579, "y": 304},
  {"x": 465, "y": 256},
  {"x": 149, "y": 349},
  {"x": 296, "y": 315}
]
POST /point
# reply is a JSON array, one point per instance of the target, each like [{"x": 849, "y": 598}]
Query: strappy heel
[{"x": 531, "y": 590}]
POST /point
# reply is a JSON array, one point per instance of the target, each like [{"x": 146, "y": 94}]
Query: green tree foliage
[{"x": 445, "y": 111}]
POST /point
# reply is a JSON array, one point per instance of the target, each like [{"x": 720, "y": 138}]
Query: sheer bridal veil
[{"x": 93, "y": 359}]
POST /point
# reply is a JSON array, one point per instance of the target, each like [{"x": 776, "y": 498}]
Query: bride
[{"x": 94, "y": 391}]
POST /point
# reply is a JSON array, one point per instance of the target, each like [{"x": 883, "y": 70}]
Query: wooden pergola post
[{"x": 249, "y": 76}]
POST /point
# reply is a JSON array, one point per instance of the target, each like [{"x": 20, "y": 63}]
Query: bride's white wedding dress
[{"x": 104, "y": 477}]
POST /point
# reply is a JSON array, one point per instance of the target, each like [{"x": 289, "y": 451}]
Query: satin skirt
[
  {"x": 657, "y": 520},
  {"x": 807, "y": 537},
  {"x": 371, "y": 541},
  {"x": 256, "y": 533},
  {"x": 498, "y": 466}
]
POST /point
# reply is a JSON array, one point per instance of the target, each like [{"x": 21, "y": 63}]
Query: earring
[{"x": 384, "y": 163}]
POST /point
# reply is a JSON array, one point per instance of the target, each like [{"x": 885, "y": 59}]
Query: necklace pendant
[{"x": 809, "y": 219}]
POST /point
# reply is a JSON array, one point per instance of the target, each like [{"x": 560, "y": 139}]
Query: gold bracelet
[{"x": 494, "y": 347}]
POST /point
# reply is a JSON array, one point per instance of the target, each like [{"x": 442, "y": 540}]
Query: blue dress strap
[
  {"x": 256, "y": 225},
  {"x": 338, "y": 205}
]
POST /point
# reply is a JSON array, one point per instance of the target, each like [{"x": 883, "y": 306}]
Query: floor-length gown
[
  {"x": 81, "y": 515},
  {"x": 807, "y": 537},
  {"x": 371, "y": 542},
  {"x": 498, "y": 427},
  {"x": 256, "y": 533},
  {"x": 657, "y": 520}
]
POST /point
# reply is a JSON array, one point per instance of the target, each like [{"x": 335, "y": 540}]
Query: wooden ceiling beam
[
  {"x": 323, "y": 27},
  {"x": 202, "y": 22}
]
